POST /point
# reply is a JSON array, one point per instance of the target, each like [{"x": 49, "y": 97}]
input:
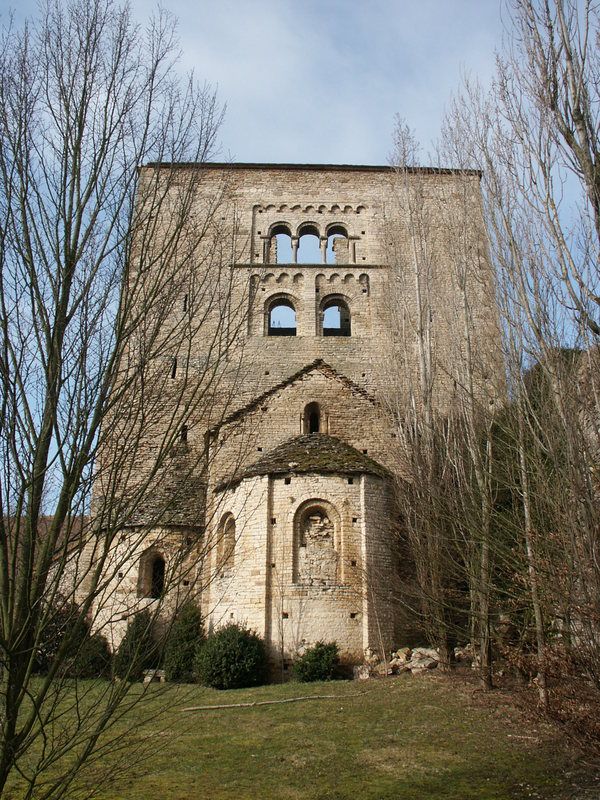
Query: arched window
[
  {"x": 335, "y": 317},
  {"x": 151, "y": 578},
  {"x": 226, "y": 542},
  {"x": 338, "y": 251},
  {"x": 309, "y": 245},
  {"x": 157, "y": 585},
  {"x": 312, "y": 419},
  {"x": 280, "y": 317},
  {"x": 280, "y": 245}
]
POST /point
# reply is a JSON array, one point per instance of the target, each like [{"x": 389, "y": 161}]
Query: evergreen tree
[
  {"x": 138, "y": 650},
  {"x": 185, "y": 637}
]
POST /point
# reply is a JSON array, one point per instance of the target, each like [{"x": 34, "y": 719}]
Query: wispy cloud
[{"x": 321, "y": 80}]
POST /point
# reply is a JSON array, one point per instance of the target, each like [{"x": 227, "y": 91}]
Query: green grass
[{"x": 427, "y": 738}]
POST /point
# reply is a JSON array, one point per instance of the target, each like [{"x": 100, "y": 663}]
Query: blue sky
[{"x": 321, "y": 80}]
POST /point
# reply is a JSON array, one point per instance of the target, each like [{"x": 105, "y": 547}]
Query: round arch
[
  {"x": 280, "y": 315},
  {"x": 335, "y": 318},
  {"x": 279, "y": 227},
  {"x": 308, "y": 229},
  {"x": 317, "y": 543},
  {"x": 336, "y": 229}
]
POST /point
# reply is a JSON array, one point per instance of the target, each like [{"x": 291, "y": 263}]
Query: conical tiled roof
[{"x": 311, "y": 453}]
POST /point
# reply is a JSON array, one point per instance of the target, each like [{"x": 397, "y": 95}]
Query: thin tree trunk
[{"x": 531, "y": 565}]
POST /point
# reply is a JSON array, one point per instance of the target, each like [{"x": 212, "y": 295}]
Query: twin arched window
[
  {"x": 334, "y": 316},
  {"x": 308, "y": 246}
]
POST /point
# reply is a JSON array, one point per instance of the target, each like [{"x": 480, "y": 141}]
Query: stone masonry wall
[
  {"x": 365, "y": 202},
  {"x": 379, "y": 356},
  {"x": 236, "y": 591},
  {"x": 222, "y": 294},
  {"x": 295, "y": 597}
]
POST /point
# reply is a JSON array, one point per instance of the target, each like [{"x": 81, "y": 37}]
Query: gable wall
[{"x": 347, "y": 414}]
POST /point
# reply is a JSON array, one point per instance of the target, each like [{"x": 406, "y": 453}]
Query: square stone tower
[{"x": 281, "y": 486}]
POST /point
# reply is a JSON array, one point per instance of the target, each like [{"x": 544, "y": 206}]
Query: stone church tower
[{"x": 293, "y": 496}]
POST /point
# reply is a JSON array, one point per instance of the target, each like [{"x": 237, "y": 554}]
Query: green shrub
[
  {"x": 93, "y": 658},
  {"x": 87, "y": 654},
  {"x": 318, "y": 663},
  {"x": 185, "y": 638},
  {"x": 62, "y": 620},
  {"x": 138, "y": 650},
  {"x": 232, "y": 658}
]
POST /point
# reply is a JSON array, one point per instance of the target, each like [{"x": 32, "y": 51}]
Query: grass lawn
[{"x": 426, "y": 738}]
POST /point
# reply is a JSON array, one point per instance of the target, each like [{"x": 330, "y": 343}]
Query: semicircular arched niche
[{"x": 316, "y": 544}]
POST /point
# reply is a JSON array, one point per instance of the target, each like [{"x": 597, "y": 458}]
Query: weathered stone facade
[{"x": 288, "y": 492}]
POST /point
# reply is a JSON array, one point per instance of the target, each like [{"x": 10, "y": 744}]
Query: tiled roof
[{"x": 310, "y": 453}]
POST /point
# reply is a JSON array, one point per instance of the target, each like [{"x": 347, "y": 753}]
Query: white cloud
[{"x": 321, "y": 80}]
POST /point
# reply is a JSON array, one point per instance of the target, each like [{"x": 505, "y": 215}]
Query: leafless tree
[
  {"x": 447, "y": 320},
  {"x": 112, "y": 272},
  {"x": 422, "y": 441},
  {"x": 535, "y": 137}
]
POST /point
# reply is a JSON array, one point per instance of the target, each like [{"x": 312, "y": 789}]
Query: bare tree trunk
[{"x": 531, "y": 565}]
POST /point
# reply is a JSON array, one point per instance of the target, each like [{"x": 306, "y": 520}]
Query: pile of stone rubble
[{"x": 416, "y": 661}]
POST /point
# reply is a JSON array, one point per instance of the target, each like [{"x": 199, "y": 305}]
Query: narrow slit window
[
  {"x": 157, "y": 580},
  {"x": 226, "y": 543},
  {"x": 312, "y": 418}
]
